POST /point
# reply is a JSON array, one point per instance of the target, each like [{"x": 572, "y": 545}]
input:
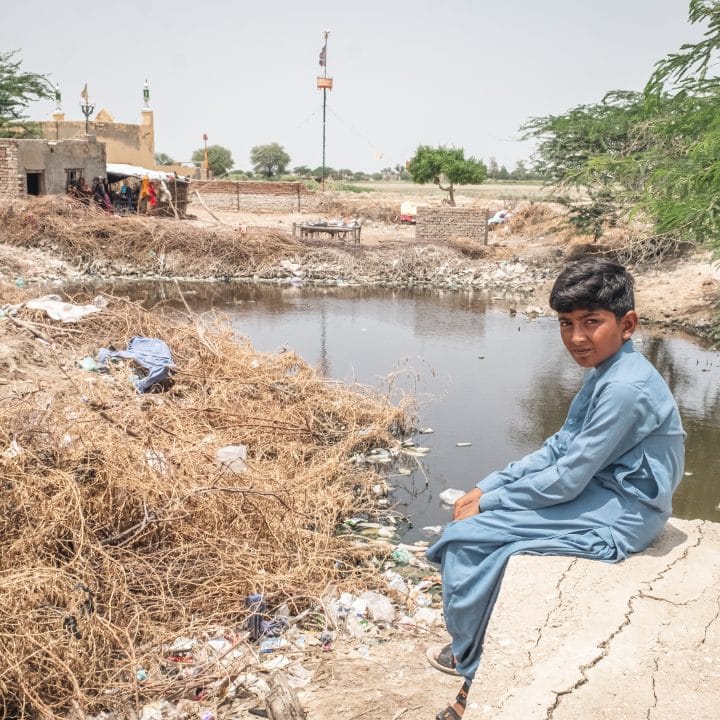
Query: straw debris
[
  {"x": 120, "y": 532},
  {"x": 133, "y": 244}
]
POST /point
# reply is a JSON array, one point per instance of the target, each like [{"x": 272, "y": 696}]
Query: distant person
[{"x": 600, "y": 488}]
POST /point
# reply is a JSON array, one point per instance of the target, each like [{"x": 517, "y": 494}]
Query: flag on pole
[
  {"x": 84, "y": 93},
  {"x": 323, "y": 53}
]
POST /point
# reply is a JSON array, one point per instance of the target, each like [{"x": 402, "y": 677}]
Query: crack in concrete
[
  {"x": 712, "y": 620},
  {"x": 656, "y": 668},
  {"x": 604, "y": 645},
  {"x": 554, "y": 609}
]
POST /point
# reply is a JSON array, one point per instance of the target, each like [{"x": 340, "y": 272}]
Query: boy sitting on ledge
[{"x": 600, "y": 488}]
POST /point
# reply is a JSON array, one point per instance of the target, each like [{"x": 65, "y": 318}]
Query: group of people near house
[{"x": 123, "y": 196}]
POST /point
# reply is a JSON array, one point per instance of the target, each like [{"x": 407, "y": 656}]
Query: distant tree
[
  {"x": 302, "y": 170},
  {"x": 448, "y": 165},
  {"x": 269, "y": 160},
  {"x": 17, "y": 90},
  {"x": 163, "y": 159},
  {"x": 219, "y": 158},
  {"x": 329, "y": 172},
  {"x": 493, "y": 169},
  {"x": 503, "y": 173},
  {"x": 345, "y": 173},
  {"x": 377, "y": 176},
  {"x": 519, "y": 171}
]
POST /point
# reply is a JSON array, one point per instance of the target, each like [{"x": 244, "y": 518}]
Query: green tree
[
  {"x": 219, "y": 159},
  {"x": 17, "y": 90},
  {"x": 302, "y": 170},
  {"x": 446, "y": 165},
  {"x": 269, "y": 160},
  {"x": 163, "y": 159}
]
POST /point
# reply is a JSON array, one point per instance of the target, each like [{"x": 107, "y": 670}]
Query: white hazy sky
[{"x": 466, "y": 73}]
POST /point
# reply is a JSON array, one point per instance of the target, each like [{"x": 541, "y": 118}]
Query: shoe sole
[{"x": 432, "y": 653}]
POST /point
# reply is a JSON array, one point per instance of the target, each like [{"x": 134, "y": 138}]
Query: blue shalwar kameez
[{"x": 599, "y": 488}]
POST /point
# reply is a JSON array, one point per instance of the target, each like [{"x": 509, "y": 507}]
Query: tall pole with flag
[{"x": 324, "y": 83}]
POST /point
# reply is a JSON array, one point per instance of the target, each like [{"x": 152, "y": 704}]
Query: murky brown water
[{"x": 481, "y": 376}]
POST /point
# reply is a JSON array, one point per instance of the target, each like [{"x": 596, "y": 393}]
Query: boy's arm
[
  {"x": 622, "y": 415},
  {"x": 543, "y": 458}
]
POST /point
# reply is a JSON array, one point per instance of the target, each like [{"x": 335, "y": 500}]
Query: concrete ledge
[{"x": 574, "y": 638}]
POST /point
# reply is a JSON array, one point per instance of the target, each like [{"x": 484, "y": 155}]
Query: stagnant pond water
[{"x": 482, "y": 376}]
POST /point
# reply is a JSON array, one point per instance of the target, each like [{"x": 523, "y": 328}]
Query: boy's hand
[{"x": 468, "y": 505}]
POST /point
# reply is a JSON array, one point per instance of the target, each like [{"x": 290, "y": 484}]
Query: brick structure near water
[
  {"x": 11, "y": 182},
  {"x": 441, "y": 224},
  {"x": 256, "y": 196}
]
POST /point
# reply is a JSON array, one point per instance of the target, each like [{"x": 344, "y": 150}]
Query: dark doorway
[{"x": 35, "y": 184}]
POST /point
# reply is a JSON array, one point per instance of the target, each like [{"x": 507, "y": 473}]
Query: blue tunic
[{"x": 599, "y": 488}]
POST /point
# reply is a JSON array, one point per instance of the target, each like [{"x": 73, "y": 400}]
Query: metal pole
[
  {"x": 323, "y": 149},
  {"x": 326, "y": 33}
]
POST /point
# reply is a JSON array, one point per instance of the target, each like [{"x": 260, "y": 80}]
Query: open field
[{"x": 486, "y": 191}]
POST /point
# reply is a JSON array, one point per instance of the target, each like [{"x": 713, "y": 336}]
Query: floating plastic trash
[
  {"x": 426, "y": 431},
  {"x": 451, "y": 496},
  {"x": 463, "y": 444}
]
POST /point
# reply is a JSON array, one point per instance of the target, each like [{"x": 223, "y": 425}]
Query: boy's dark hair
[{"x": 594, "y": 283}]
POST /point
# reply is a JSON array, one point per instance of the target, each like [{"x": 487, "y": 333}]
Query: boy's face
[{"x": 592, "y": 336}]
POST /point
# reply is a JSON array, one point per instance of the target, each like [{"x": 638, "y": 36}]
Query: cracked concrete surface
[
  {"x": 569, "y": 639},
  {"x": 635, "y": 640}
]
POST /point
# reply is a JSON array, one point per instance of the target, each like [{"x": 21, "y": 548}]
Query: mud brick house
[{"x": 46, "y": 167}]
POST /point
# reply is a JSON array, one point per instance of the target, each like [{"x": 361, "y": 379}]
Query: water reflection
[{"x": 500, "y": 382}]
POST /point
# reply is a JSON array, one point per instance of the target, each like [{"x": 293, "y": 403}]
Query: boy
[{"x": 600, "y": 488}]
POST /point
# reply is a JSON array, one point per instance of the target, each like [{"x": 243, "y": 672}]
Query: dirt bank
[{"x": 56, "y": 240}]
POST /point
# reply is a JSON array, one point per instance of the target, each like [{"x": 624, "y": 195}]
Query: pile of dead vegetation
[
  {"x": 98, "y": 243},
  {"x": 346, "y": 205},
  {"x": 121, "y": 528}
]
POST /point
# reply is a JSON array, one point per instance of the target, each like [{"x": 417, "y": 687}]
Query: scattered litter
[
  {"x": 89, "y": 364},
  {"x": 276, "y": 663},
  {"x": 57, "y": 309},
  {"x": 13, "y": 450},
  {"x": 379, "y": 607},
  {"x": 231, "y": 458},
  {"x": 404, "y": 471},
  {"x": 687, "y": 474},
  {"x": 150, "y": 353},
  {"x": 272, "y": 644},
  {"x": 299, "y": 676},
  {"x": 156, "y": 461},
  {"x": 451, "y": 496},
  {"x": 416, "y": 451},
  {"x": 402, "y": 556},
  {"x": 426, "y": 431},
  {"x": 463, "y": 444},
  {"x": 381, "y": 489},
  {"x": 433, "y": 529},
  {"x": 396, "y": 582},
  {"x": 141, "y": 674}
]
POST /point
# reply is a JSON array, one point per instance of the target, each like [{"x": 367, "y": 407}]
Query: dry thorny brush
[
  {"x": 97, "y": 243},
  {"x": 120, "y": 532}
]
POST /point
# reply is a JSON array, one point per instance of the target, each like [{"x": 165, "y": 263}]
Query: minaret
[
  {"x": 58, "y": 115},
  {"x": 148, "y": 125}
]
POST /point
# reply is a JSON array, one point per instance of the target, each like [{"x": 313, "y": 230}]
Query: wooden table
[{"x": 308, "y": 231}]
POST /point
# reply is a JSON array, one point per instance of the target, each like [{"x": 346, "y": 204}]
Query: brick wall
[
  {"x": 440, "y": 224},
  {"x": 11, "y": 182},
  {"x": 255, "y": 196}
]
